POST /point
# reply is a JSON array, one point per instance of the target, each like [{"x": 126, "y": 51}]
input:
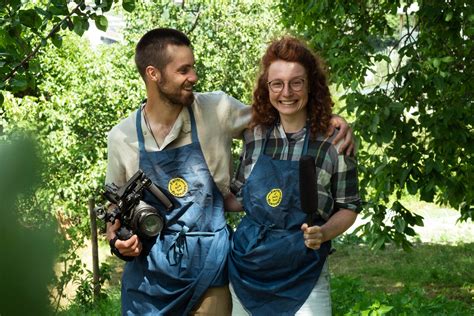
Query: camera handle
[
  {"x": 123, "y": 233},
  {"x": 110, "y": 217}
]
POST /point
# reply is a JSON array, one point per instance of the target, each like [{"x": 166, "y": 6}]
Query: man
[{"x": 182, "y": 141}]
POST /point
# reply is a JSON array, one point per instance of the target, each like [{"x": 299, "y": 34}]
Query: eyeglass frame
[{"x": 289, "y": 85}]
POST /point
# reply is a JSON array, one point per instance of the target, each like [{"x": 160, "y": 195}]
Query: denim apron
[
  {"x": 176, "y": 268},
  {"x": 271, "y": 270}
]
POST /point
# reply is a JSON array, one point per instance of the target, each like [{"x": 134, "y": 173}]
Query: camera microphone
[
  {"x": 161, "y": 196},
  {"x": 308, "y": 187}
]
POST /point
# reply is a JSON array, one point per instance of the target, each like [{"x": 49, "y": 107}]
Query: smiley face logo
[
  {"x": 274, "y": 197},
  {"x": 178, "y": 187}
]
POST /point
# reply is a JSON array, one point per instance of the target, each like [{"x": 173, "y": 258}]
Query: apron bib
[
  {"x": 190, "y": 255},
  {"x": 270, "y": 268}
]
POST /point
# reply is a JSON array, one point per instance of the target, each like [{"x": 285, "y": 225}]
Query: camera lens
[
  {"x": 150, "y": 224},
  {"x": 146, "y": 220}
]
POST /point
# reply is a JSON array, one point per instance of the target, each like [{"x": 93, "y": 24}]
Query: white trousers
[{"x": 318, "y": 302}]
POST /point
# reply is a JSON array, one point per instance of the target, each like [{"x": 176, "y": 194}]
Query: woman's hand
[
  {"x": 313, "y": 236},
  {"x": 338, "y": 223}
]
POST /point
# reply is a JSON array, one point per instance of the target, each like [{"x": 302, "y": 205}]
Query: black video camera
[{"x": 135, "y": 215}]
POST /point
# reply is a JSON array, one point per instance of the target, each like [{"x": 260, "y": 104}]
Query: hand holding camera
[
  {"x": 130, "y": 215},
  {"x": 124, "y": 249}
]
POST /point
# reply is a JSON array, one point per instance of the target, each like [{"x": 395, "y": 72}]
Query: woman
[{"x": 276, "y": 258}]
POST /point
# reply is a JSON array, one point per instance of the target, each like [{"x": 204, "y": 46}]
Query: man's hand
[
  {"x": 345, "y": 133},
  {"x": 313, "y": 236},
  {"x": 130, "y": 248}
]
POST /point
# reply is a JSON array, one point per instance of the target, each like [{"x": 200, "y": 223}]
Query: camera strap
[{"x": 116, "y": 252}]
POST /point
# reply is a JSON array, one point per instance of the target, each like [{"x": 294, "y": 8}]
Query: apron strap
[
  {"x": 141, "y": 139},
  {"x": 194, "y": 134}
]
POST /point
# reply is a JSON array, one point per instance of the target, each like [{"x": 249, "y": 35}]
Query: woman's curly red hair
[{"x": 319, "y": 107}]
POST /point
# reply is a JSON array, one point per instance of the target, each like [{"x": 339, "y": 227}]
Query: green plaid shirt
[{"x": 337, "y": 174}]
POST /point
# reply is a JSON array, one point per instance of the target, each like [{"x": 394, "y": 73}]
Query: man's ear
[{"x": 153, "y": 74}]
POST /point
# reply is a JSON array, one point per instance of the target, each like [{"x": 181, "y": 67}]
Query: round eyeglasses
[{"x": 277, "y": 85}]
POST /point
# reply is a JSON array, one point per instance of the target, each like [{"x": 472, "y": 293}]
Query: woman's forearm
[{"x": 338, "y": 223}]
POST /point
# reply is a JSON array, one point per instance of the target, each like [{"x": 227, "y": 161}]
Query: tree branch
[
  {"x": 196, "y": 20},
  {"x": 404, "y": 38},
  {"x": 28, "y": 57}
]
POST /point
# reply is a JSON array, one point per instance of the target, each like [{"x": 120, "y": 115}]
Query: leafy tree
[
  {"x": 416, "y": 117},
  {"x": 26, "y": 28}
]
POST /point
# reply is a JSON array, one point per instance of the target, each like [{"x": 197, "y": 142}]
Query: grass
[
  {"x": 108, "y": 305},
  {"x": 434, "y": 278}
]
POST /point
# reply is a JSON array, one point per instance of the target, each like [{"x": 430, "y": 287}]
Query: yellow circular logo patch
[
  {"x": 274, "y": 197},
  {"x": 178, "y": 187}
]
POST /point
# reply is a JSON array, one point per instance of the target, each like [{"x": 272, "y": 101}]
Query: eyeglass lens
[{"x": 278, "y": 85}]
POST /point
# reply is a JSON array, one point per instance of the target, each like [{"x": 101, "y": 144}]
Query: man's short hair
[{"x": 151, "y": 48}]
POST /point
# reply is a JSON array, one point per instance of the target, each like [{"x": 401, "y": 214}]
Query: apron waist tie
[
  {"x": 263, "y": 230},
  {"x": 178, "y": 250}
]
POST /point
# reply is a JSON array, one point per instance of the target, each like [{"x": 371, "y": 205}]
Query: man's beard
[{"x": 175, "y": 97}]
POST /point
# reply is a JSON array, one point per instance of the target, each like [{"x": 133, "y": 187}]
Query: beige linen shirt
[{"x": 219, "y": 119}]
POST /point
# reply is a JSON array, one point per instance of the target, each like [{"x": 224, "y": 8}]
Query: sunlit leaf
[{"x": 101, "y": 22}]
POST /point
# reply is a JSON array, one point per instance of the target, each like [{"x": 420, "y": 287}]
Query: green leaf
[
  {"x": 400, "y": 225},
  {"x": 386, "y": 111},
  {"x": 447, "y": 59},
  {"x": 429, "y": 164},
  {"x": 77, "y": 25},
  {"x": 404, "y": 175},
  {"x": 101, "y": 22},
  {"x": 128, "y": 5},
  {"x": 106, "y": 5},
  {"x": 379, "y": 168},
  {"x": 412, "y": 187},
  {"x": 30, "y": 18},
  {"x": 410, "y": 231},
  {"x": 448, "y": 16},
  {"x": 354, "y": 85},
  {"x": 1, "y": 98},
  {"x": 379, "y": 243},
  {"x": 58, "y": 8},
  {"x": 34, "y": 67},
  {"x": 19, "y": 84},
  {"x": 427, "y": 194},
  {"x": 419, "y": 220},
  {"x": 57, "y": 40}
]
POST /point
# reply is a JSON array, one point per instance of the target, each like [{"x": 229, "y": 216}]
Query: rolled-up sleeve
[{"x": 345, "y": 184}]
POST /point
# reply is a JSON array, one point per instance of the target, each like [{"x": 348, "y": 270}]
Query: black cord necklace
[{"x": 149, "y": 127}]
